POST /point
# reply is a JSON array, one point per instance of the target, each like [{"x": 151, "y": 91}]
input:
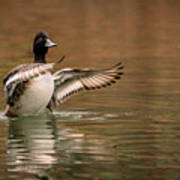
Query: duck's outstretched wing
[
  {"x": 71, "y": 81},
  {"x": 16, "y": 80}
]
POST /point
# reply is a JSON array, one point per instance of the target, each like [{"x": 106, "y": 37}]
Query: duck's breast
[{"x": 37, "y": 95}]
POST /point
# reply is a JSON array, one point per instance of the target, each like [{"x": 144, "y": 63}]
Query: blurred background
[{"x": 128, "y": 131}]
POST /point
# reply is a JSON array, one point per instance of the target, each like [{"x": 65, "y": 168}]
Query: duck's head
[{"x": 40, "y": 46}]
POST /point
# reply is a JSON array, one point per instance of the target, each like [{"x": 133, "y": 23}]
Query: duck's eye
[{"x": 39, "y": 40}]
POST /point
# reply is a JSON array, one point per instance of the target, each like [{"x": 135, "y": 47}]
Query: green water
[{"x": 125, "y": 132}]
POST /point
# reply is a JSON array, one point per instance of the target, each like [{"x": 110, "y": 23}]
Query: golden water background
[{"x": 128, "y": 131}]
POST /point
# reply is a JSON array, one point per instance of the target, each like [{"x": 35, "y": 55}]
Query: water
[{"x": 128, "y": 131}]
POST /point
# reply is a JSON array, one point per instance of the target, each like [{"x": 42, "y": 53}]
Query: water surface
[{"x": 128, "y": 131}]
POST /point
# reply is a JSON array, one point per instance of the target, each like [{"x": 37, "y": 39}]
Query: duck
[{"x": 34, "y": 87}]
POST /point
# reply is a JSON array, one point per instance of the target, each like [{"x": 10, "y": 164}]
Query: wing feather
[
  {"x": 16, "y": 80},
  {"x": 71, "y": 81}
]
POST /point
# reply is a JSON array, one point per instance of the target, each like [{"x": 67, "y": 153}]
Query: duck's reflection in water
[
  {"x": 32, "y": 144},
  {"x": 44, "y": 144}
]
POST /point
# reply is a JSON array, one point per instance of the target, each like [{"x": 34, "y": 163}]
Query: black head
[{"x": 40, "y": 46}]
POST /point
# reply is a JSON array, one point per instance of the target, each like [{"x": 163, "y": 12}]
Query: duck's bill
[{"x": 49, "y": 43}]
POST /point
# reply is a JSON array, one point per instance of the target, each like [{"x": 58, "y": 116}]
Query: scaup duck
[{"x": 31, "y": 88}]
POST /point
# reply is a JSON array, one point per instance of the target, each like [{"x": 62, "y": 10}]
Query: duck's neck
[{"x": 39, "y": 58}]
